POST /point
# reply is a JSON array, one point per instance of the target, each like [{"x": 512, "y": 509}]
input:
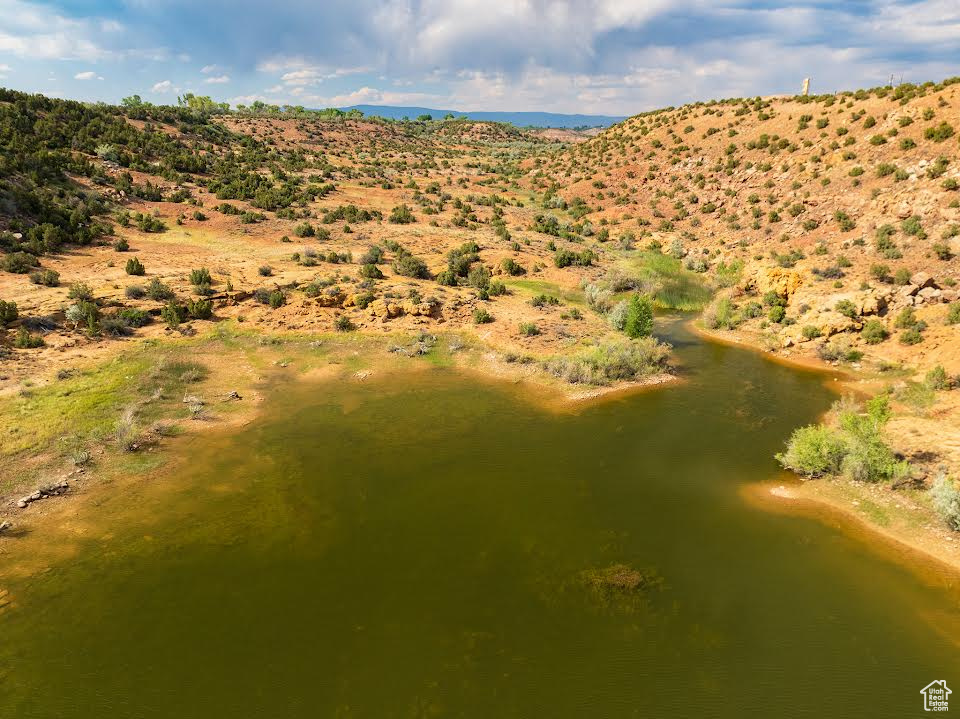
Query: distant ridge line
[{"x": 520, "y": 119}]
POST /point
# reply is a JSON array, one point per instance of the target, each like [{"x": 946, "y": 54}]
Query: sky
[{"x": 615, "y": 57}]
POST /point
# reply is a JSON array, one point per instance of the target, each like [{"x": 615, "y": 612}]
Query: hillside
[
  {"x": 821, "y": 229},
  {"x": 519, "y": 119}
]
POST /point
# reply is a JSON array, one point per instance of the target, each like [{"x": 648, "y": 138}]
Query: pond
[{"x": 429, "y": 545}]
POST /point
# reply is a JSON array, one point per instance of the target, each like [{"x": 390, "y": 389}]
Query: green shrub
[
  {"x": 173, "y": 313},
  {"x": 939, "y": 133},
  {"x": 639, "y": 319},
  {"x": 853, "y": 446},
  {"x": 911, "y": 336},
  {"x": 200, "y": 309},
  {"x": 621, "y": 360},
  {"x": 265, "y": 270},
  {"x": 953, "y": 313},
  {"x": 811, "y": 332},
  {"x": 343, "y": 324},
  {"x": 134, "y": 317},
  {"x": 19, "y": 263},
  {"x": 814, "y": 451},
  {"x": 874, "y": 332},
  {"x": 8, "y": 313},
  {"x": 401, "y": 215},
  {"x": 937, "y": 379},
  {"x": 48, "y": 278},
  {"x": 512, "y": 268},
  {"x": 158, "y": 291},
  {"x": 529, "y": 329},
  {"x": 371, "y": 272},
  {"x": 200, "y": 277},
  {"x": 409, "y": 265},
  {"x": 83, "y": 312},
  {"x": 946, "y": 500},
  {"x": 481, "y": 316},
  {"x": 846, "y": 308},
  {"x": 304, "y": 229},
  {"x": 121, "y": 244},
  {"x": 135, "y": 267},
  {"x": 25, "y": 341}
]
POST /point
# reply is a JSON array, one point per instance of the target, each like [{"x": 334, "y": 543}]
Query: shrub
[
  {"x": 846, "y": 308},
  {"x": 565, "y": 258},
  {"x": 481, "y": 316},
  {"x": 158, "y": 291},
  {"x": 173, "y": 313},
  {"x": 529, "y": 329},
  {"x": 200, "y": 309},
  {"x": 953, "y": 313},
  {"x": 8, "y": 313},
  {"x": 19, "y": 263},
  {"x": 134, "y": 317},
  {"x": 265, "y": 270},
  {"x": 639, "y": 319},
  {"x": 811, "y": 332},
  {"x": 946, "y": 500},
  {"x": 83, "y": 312},
  {"x": 25, "y": 341},
  {"x": 276, "y": 299},
  {"x": 343, "y": 324},
  {"x": 49, "y": 278},
  {"x": 874, "y": 332},
  {"x": 135, "y": 267},
  {"x": 853, "y": 446},
  {"x": 121, "y": 244},
  {"x": 911, "y": 336},
  {"x": 777, "y": 313},
  {"x": 304, "y": 229},
  {"x": 409, "y": 265},
  {"x": 200, "y": 277},
  {"x": 814, "y": 451},
  {"x": 401, "y": 215},
  {"x": 611, "y": 361},
  {"x": 512, "y": 267},
  {"x": 135, "y": 292},
  {"x": 939, "y": 133},
  {"x": 937, "y": 379},
  {"x": 371, "y": 272}
]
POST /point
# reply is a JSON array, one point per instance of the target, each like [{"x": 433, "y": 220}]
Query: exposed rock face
[
  {"x": 386, "y": 309},
  {"x": 332, "y": 297},
  {"x": 782, "y": 281}
]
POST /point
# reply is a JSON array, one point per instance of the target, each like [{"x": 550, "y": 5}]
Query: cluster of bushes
[
  {"x": 851, "y": 445},
  {"x": 566, "y": 258},
  {"x": 619, "y": 360}
]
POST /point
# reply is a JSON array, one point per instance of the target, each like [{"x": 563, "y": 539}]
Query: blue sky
[{"x": 594, "y": 56}]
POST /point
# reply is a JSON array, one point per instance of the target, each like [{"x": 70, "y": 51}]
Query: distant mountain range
[{"x": 520, "y": 119}]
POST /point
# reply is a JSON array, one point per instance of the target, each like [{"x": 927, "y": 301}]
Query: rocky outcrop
[
  {"x": 51, "y": 490},
  {"x": 780, "y": 280}
]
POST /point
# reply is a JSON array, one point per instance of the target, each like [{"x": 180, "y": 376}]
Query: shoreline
[
  {"x": 791, "y": 496},
  {"x": 810, "y": 498},
  {"x": 46, "y": 531},
  {"x": 924, "y": 547}
]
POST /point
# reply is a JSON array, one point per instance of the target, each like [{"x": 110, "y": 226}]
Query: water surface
[{"x": 414, "y": 546}]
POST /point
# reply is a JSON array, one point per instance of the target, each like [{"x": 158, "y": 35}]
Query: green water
[{"x": 414, "y": 546}]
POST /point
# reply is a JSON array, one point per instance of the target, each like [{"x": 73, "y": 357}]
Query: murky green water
[{"x": 414, "y": 546}]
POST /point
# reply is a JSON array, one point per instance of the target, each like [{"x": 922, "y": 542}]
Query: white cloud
[
  {"x": 207, "y": 69},
  {"x": 218, "y": 80},
  {"x": 88, "y": 75},
  {"x": 164, "y": 86}
]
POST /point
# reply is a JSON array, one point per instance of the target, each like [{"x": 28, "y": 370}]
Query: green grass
[{"x": 677, "y": 288}]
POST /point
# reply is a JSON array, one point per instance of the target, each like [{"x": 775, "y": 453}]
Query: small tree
[{"x": 135, "y": 267}]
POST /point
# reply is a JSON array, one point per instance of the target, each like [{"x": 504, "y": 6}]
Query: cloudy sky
[{"x": 594, "y": 56}]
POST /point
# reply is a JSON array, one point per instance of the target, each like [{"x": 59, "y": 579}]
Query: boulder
[
  {"x": 922, "y": 280},
  {"x": 783, "y": 281},
  {"x": 929, "y": 294}
]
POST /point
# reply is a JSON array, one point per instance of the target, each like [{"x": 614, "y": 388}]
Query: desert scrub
[
  {"x": 611, "y": 361},
  {"x": 135, "y": 267},
  {"x": 528, "y": 329},
  {"x": 481, "y": 316},
  {"x": 946, "y": 500},
  {"x": 850, "y": 444}
]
